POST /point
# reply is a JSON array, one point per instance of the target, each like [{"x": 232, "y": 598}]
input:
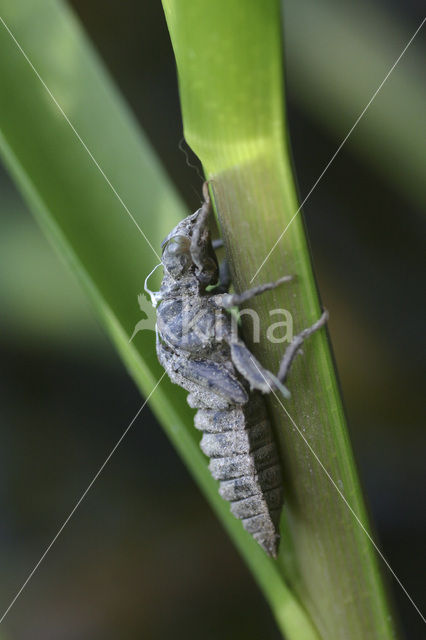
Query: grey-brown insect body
[
  {"x": 237, "y": 437},
  {"x": 201, "y": 351},
  {"x": 244, "y": 458}
]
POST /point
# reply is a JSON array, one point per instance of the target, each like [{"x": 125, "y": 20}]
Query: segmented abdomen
[{"x": 244, "y": 458}]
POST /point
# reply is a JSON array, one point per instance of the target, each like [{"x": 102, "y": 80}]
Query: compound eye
[
  {"x": 177, "y": 245},
  {"x": 176, "y": 254}
]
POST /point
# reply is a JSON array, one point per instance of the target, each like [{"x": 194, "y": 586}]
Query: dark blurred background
[{"x": 144, "y": 557}]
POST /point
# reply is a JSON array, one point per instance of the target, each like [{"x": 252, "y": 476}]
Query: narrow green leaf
[{"x": 229, "y": 59}]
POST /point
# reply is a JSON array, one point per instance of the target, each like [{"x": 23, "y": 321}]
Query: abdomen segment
[{"x": 244, "y": 458}]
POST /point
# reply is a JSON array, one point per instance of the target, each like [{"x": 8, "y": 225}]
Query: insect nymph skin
[{"x": 200, "y": 350}]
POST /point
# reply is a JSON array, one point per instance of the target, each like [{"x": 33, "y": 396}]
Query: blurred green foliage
[
  {"x": 338, "y": 53},
  {"x": 34, "y": 290}
]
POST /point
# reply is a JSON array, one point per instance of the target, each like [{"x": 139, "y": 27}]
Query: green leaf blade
[{"x": 234, "y": 119}]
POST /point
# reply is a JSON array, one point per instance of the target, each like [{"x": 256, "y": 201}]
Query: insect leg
[
  {"x": 256, "y": 375},
  {"x": 229, "y": 300},
  {"x": 295, "y": 345},
  {"x": 250, "y": 368},
  {"x": 201, "y": 235},
  {"x": 224, "y": 279},
  {"x": 217, "y": 243},
  {"x": 201, "y": 249}
]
